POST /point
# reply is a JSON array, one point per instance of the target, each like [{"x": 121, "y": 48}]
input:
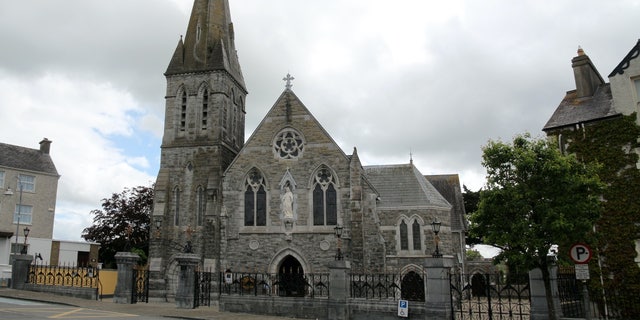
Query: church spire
[{"x": 209, "y": 42}]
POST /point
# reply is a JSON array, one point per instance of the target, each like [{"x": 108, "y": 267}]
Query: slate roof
[
  {"x": 449, "y": 187},
  {"x": 574, "y": 110},
  {"x": 403, "y": 186},
  {"x": 22, "y": 158}
]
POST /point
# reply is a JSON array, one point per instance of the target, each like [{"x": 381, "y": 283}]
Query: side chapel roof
[
  {"x": 449, "y": 187},
  {"x": 404, "y": 186}
]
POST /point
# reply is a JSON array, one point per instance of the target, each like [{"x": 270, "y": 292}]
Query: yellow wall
[{"x": 108, "y": 280}]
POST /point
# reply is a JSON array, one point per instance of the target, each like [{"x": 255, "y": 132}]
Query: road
[{"x": 14, "y": 309}]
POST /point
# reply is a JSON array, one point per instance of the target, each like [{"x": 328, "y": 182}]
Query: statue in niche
[{"x": 287, "y": 203}]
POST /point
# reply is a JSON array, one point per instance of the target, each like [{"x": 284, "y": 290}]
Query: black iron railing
[{"x": 265, "y": 284}]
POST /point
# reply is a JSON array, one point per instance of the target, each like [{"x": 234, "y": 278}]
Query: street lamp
[
  {"x": 9, "y": 193},
  {"x": 26, "y": 234},
  {"x": 435, "y": 225},
  {"x": 338, "y": 232}
]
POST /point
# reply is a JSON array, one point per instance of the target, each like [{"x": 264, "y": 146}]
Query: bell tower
[{"x": 203, "y": 133}]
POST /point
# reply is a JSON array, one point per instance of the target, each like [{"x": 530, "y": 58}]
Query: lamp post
[
  {"x": 338, "y": 232},
  {"x": 10, "y": 193},
  {"x": 435, "y": 225},
  {"x": 26, "y": 235}
]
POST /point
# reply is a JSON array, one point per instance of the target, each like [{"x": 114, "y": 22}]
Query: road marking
[{"x": 81, "y": 313}]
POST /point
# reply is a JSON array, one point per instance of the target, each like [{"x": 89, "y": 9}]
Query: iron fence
[
  {"x": 140, "y": 292},
  {"x": 65, "y": 275},
  {"x": 375, "y": 286},
  {"x": 265, "y": 284},
  {"x": 605, "y": 303},
  {"x": 489, "y": 296}
]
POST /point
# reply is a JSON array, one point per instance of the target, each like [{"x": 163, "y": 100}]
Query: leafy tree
[
  {"x": 122, "y": 224},
  {"x": 535, "y": 197},
  {"x": 471, "y": 199},
  {"x": 473, "y": 255}
]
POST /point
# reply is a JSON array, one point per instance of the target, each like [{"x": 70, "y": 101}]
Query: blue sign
[{"x": 403, "y": 308}]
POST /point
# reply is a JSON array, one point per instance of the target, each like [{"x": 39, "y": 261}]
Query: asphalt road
[{"x": 14, "y": 309}]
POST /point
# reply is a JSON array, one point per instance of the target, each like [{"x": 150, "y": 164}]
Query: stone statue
[{"x": 287, "y": 203}]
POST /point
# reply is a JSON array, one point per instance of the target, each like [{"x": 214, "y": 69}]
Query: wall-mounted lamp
[{"x": 26, "y": 234}]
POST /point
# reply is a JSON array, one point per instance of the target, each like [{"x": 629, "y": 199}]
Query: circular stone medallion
[
  {"x": 324, "y": 245},
  {"x": 254, "y": 245}
]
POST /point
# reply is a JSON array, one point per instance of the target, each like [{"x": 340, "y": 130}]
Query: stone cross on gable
[{"x": 288, "y": 79}]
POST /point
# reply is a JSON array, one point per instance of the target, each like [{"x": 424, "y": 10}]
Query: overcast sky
[{"x": 435, "y": 79}]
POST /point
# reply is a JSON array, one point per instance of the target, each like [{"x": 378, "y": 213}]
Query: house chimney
[
  {"x": 45, "y": 145},
  {"x": 587, "y": 76}
]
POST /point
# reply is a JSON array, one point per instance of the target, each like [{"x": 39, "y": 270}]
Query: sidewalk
[{"x": 161, "y": 310}]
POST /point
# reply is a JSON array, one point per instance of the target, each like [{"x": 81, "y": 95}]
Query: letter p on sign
[{"x": 580, "y": 253}]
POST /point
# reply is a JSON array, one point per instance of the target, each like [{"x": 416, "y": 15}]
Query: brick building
[{"x": 274, "y": 203}]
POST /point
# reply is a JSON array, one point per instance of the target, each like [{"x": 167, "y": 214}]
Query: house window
[
  {"x": 24, "y": 213},
  {"x": 176, "y": 201},
  {"x": 637, "y": 84},
  {"x": 255, "y": 200},
  {"x": 27, "y": 182},
  {"x": 410, "y": 231},
  {"x": 325, "y": 206},
  {"x": 202, "y": 203},
  {"x": 2, "y": 180},
  {"x": 205, "y": 108},
  {"x": 183, "y": 112}
]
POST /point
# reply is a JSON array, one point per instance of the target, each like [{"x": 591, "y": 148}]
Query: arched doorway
[
  {"x": 478, "y": 285},
  {"x": 412, "y": 287},
  {"x": 291, "y": 281}
]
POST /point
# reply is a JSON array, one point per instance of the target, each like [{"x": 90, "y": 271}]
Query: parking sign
[{"x": 403, "y": 308}]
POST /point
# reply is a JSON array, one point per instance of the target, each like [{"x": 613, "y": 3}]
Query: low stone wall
[
  {"x": 276, "y": 306},
  {"x": 318, "y": 308},
  {"x": 83, "y": 293}
]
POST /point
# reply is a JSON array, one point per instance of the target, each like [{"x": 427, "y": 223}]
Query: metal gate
[
  {"x": 489, "y": 296},
  {"x": 140, "y": 292},
  {"x": 202, "y": 288}
]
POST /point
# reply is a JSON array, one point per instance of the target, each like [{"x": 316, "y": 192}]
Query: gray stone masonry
[
  {"x": 124, "y": 286},
  {"x": 338, "y": 290},
  {"x": 20, "y": 271},
  {"x": 539, "y": 308},
  {"x": 438, "y": 290},
  {"x": 185, "y": 295}
]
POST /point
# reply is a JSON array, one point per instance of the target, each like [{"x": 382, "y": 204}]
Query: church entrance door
[{"x": 291, "y": 281}]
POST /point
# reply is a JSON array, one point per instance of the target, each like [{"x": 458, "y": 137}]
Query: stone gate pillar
[
  {"x": 539, "y": 307},
  {"x": 20, "y": 271},
  {"x": 185, "y": 295},
  {"x": 338, "y": 290},
  {"x": 124, "y": 287},
  {"x": 438, "y": 288}
]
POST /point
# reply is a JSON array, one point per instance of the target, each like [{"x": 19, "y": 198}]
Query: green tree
[
  {"x": 123, "y": 223},
  {"x": 471, "y": 200},
  {"x": 534, "y": 197},
  {"x": 473, "y": 255}
]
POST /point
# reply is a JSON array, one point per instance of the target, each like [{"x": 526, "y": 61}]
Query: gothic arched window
[
  {"x": 176, "y": 202},
  {"x": 325, "y": 206},
  {"x": 255, "y": 200},
  {"x": 183, "y": 111},
  {"x": 410, "y": 235},
  {"x": 205, "y": 108},
  {"x": 201, "y": 205}
]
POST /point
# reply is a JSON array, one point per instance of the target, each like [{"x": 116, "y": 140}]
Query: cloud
[{"x": 432, "y": 79}]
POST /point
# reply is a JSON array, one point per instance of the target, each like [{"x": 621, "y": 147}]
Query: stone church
[{"x": 276, "y": 202}]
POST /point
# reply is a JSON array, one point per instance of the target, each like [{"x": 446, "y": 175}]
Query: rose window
[{"x": 288, "y": 145}]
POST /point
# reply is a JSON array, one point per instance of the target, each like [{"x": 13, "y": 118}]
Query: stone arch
[
  {"x": 412, "y": 283},
  {"x": 278, "y": 258}
]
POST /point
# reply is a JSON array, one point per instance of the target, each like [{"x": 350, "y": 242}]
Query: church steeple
[{"x": 209, "y": 42}]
